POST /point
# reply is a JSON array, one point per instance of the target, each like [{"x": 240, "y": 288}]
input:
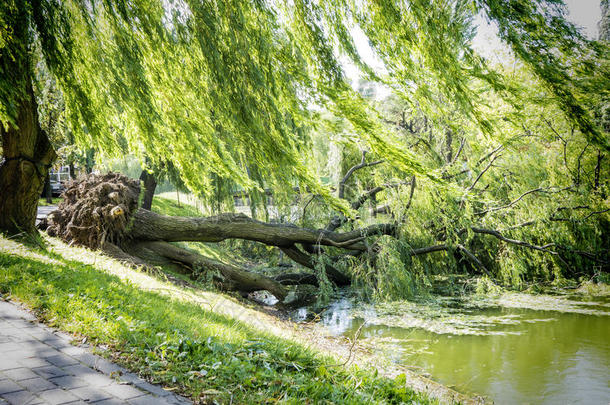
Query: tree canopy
[{"x": 224, "y": 89}]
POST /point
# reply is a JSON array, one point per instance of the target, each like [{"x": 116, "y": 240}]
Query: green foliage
[
  {"x": 541, "y": 182},
  {"x": 222, "y": 89}
]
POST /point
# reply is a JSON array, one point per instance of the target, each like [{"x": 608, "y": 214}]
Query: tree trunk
[
  {"x": 28, "y": 155},
  {"x": 101, "y": 212},
  {"x": 150, "y": 226},
  {"x": 48, "y": 191},
  {"x": 27, "y": 152},
  {"x": 150, "y": 184}
]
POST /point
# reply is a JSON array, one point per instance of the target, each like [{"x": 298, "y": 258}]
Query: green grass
[
  {"x": 43, "y": 201},
  {"x": 205, "y": 345},
  {"x": 167, "y": 204}
]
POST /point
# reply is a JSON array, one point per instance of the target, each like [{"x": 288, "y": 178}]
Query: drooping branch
[
  {"x": 498, "y": 235},
  {"x": 510, "y": 204},
  {"x": 350, "y": 172},
  {"x": 305, "y": 260},
  {"x": 473, "y": 259},
  {"x": 338, "y": 220},
  {"x": 242, "y": 279},
  {"x": 515, "y": 201},
  {"x": 459, "y": 151},
  {"x": 474, "y": 183}
]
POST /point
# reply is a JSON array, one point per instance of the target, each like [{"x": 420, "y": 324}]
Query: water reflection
[{"x": 522, "y": 356}]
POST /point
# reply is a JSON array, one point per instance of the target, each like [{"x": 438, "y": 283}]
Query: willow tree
[{"x": 221, "y": 86}]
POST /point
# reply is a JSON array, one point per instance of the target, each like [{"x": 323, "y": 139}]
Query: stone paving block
[
  {"x": 79, "y": 370},
  {"x": 7, "y": 364},
  {"x": 33, "y": 344},
  {"x": 38, "y": 334},
  {"x": 18, "y": 374},
  {"x": 7, "y": 386},
  {"x": 123, "y": 391},
  {"x": 18, "y": 354},
  {"x": 21, "y": 398},
  {"x": 69, "y": 382},
  {"x": 66, "y": 337},
  {"x": 154, "y": 389},
  {"x": 47, "y": 351},
  {"x": 37, "y": 384},
  {"x": 55, "y": 342},
  {"x": 33, "y": 362},
  {"x": 87, "y": 358},
  {"x": 90, "y": 394},
  {"x": 9, "y": 330},
  {"x": 106, "y": 367},
  {"x": 73, "y": 350},
  {"x": 10, "y": 311},
  {"x": 10, "y": 347},
  {"x": 58, "y": 396},
  {"x": 146, "y": 400},
  {"x": 62, "y": 360},
  {"x": 176, "y": 400},
  {"x": 49, "y": 371},
  {"x": 97, "y": 379},
  {"x": 112, "y": 401}
]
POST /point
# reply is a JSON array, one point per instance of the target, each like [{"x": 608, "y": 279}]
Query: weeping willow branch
[
  {"x": 350, "y": 172},
  {"x": 474, "y": 183},
  {"x": 498, "y": 235},
  {"x": 472, "y": 258}
]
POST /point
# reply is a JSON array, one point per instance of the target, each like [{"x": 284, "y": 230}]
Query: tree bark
[
  {"x": 149, "y": 226},
  {"x": 304, "y": 259},
  {"x": 28, "y": 154},
  {"x": 241, "y": 279},
  {"x": 150, "y": 184}
]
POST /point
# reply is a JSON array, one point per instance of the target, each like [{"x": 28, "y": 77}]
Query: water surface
[{"x": 510, "y": 354}]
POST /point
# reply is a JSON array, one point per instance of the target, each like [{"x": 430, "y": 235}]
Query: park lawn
[{"x": 55, "y": 201}]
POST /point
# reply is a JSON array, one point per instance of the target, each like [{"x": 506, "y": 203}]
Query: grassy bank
[{"x": 198, "y": 342}]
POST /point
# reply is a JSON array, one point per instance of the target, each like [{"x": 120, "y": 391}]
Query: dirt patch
[{"x": 95, "y": 209}]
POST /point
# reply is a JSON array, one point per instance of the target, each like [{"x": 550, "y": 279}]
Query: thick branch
[
  {"x": 304, "y": 259},
  {"x": 498, "y": 235},
  {"x": 150, "y": 226},
  {"x": 429, "y": 249},
  {"x": 473, "y": 259},
  {"x": 351, "y": 171},
  {"x": 242, "y": 279}
]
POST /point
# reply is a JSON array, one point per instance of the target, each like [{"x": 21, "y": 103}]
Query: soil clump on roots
[{"x": 95, "y": 209}]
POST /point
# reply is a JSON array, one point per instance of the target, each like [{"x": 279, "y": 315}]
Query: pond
[{"x": 516, "y": 348}]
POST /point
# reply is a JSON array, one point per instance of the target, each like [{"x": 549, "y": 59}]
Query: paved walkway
[
  {"x": 39, "y": 366},
  {"x": 44, "y": 211}
]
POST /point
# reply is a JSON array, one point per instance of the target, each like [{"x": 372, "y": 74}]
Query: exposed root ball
[{"x": 95, "y": 209}]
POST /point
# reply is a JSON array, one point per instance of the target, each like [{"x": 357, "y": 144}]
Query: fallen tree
[{"x": 102, "y": 212}]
